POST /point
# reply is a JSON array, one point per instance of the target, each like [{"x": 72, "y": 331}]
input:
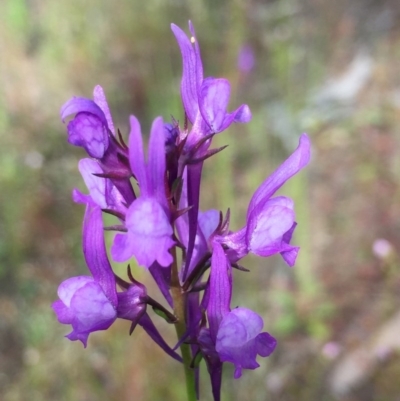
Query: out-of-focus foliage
[{"x": 328, "y": 68}]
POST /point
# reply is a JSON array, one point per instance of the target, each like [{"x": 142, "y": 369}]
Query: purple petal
[
  {"x": 102, "y": 191},
  {"x": 265, "y": 344},
  {"x": 136, "y": 155},
  {"x": 208, "y": 222},
  {"x": 79, "y": 197},
  {"x": 88, "y": 131},
  {"x": 95, "y": 253},
  {"x": 149, "y": 235},
  {"x": 241, "y": 115},
  {"x": 77, "y": 105},
  {"x": 266, "y": 227},
  {"x": 220, "y": 289},
  {"x": 290, "y": 256},
  {"x": 68, "y": 288},
  {"x": 95, "y": 185},
  {"x": 100, "y": 99},
  {"x": 85, "y": 306},
  {"x": 299, "y": 159},
  {"x": 62, "y": 312},
  {"x": 238, "y": 340},
  {"x": 132, "y": 303},
  {"x": 162, "y": 277},
  {"x": 156, "y": 163},
  {"x": 214, "y": 365},
  {"x": 213, "y": 101},
  {"x": 237, "y": 244},
  {"x": 192, "y": 74}
]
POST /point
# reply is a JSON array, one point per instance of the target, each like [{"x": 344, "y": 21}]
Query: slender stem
[{"x": 179, "y": 299}]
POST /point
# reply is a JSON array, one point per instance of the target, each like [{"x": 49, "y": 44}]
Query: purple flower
[
  {"x": 89, "y": 303},
  {"x": 270, "y": 221},
  {"x": 236, "y": 334},
  {"x": 246, "y": 59},
  {"x": 92, "y": 123},
  {"x": 239, "y": 340},
  {"x": 84, "y": 305},
  {"x": 149, "y": 235},
  {"x": 205, "y": 100}
]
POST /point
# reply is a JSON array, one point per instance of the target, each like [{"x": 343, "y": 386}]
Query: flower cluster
[{"x": 163, "y": 217}]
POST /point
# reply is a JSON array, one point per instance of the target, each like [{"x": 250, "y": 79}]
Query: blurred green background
[{"x": 331, "y": 69}]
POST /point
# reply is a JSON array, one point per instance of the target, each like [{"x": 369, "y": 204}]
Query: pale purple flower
[
  {"x": 92, "y": 123},
  {"x": 149, "y": 235},
  {"x": 89, "y": 303},
  {"x": 246, "y": 59},
  {"x": 382, "y": 248},
  {"x": 236, "y": 334},
  {"x": 84, "y": 305},
  {"x": 239, "y": 340},
  {"x": 270, "y": 221}
]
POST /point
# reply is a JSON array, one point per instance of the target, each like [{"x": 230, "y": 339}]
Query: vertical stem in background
[
  {"x": 179, "y": 299},
  {"x": 310, "y": 292}
]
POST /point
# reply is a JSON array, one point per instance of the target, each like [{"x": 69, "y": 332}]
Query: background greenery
[{"x": 328, "y": 68}]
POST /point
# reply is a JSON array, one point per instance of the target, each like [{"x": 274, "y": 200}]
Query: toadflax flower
[
  {"x": 234, "y": 335},
  {"x": 92, "y": 123},
  {"x": 149, "y": 235},
  {"x": 89, "y": 303},
  {"x": 92, "y": 303},
  {"x": 270, "y": 221},
  {"x": 205, "y": 100},
  {"x": 156, "y": 200}
]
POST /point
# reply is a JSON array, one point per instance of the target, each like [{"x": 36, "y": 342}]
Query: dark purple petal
[
  {"x": 152, "y": 331},
  {"x": 162, "y": 277},
  {"x": 149, "y": 235},
  {"x": 94, "y": 249},
  {"x": 265, "y": 344},
  {"x": 220, "y": 289},
  {"x": 100, "y": 99},
  {"x": 214, "y": 364},
  {"x": 136, "y": 155},
  {"x": 131, "y": 303},
  {"x": 88, "y": 131},
  {"x": 156, "y": 162},
  {"x": 290, "y": 255},
  {"x": 192, "y": 74},
  {"x": 299, "y": 159},
  {"x": 193, "y": 199},
  {"x": 238, "y": 340}
]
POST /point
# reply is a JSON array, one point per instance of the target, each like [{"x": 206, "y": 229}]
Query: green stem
[{"x": 179, "y": 298}]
